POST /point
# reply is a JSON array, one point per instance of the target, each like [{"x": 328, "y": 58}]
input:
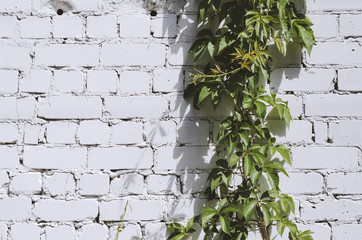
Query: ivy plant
[{"x": 237, "y": 50}]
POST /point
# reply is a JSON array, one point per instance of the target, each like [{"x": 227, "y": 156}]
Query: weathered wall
[{"x": 92, "y": 115}]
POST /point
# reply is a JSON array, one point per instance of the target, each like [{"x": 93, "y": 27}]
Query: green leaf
[
  {"x": 244, "y": 137},
  {"x": 176, "y": 236},
  {"x": 231, "y": 208},
  {"x": 280, "y": 228},
  {"x": 307, "y": 36},
  {"x": 284, "y": 152},
  {"x": 225, "y": 223},
  {"x": 177, "y": 226},
  {"x": 206, "y": 218},
  {"x": 277, "y": 166},
  {"x": 205, "y": 91},
  {"x": 273, "y": 178},
  {"x": 266, "y": 214},
  {"x": 234, "y": 159},
  {"x": 189, "y": 224},
  {"x": 249, "y": 209},
  {"x": 211, "y": 48},
  {"x": 255, "y": 176},
  {"x": 231, "y": 145},
  {"x": 215, "y": 182},
  {"x": 248, "y": 164}
]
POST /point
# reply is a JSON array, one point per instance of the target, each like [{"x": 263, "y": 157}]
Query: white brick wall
[{"x": 92, "y": 115}]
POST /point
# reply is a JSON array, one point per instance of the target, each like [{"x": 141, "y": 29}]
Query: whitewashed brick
[
  {"x": 136, "y": 107},
  {"x": 127, "y": 133},
  {"x": 127, "y": 184},
  {"x": 132, "y": 54},
  {"x": 133, "y": 82},
  {"x": 70, "y": 107},
  {"x": 141, "y": 210},
  {"x": 101, "y": 81},
  {"x": 61, "y": 132},
  {"x": 180, "y": 158},
  {"x": 86, "y": 6},
  {"x": 346, "y": 132},
  {"x": 38, "y": 81},
  {"x": 69, "y": 81},
  {"x": 93, "y": 232},
  {"x": 29, "y": 231},
  {"x": 299, "y": 131},
  {"x": 14, "y": 57},
  {"x": 293, "y": 54},
  {"x": 66, "y": 55},
  {"x": 301, "y": 183},
  {"x": 350, "y": 79},
  {"x": 60, "y": 184},
  {"x": 188, "y": 26},
  {"x": 4, "y": 178},
  {"x": 134, "y": 26},
  {"x": 333, "y": 105},
  {"x": 9, "y": 157},
  {"x": 154, "y": 231},
  {"x": 160, "y": 132},
  {"x": 178, "y": 54},
  {"x": 320, "y": 132},
  {"x": 196, "y": 132},
  {"x": 8, "y": 26},
  {"x": 324, "y": 26},
  {"x": 102, "y": 26},
  {"x": 168, "y": 80},
  {"x": 27, "y": 183},
  {"x": 194, "y": 183},
  {"x": 320, "y": 231},
  {"x": 347, "y": 231},
  {"x": 296, "y": 79},
  {"x": 185, "y": 208},
  {"x": 40, "y": 157},
  {"x": 76, "y": 210},
  {"x": 344, "y": 183},
  {"x": 94, "y": 132},
  {"x": 295, "y": 106},
  {"x": 8, "y": 133},
  {"x": 17, "y": 108},
  {"x": 3, "y": 231},
  {"x": 8, "y": 82},
  {"x": 15, "y": 6},
  {"x": 325, "y": 157},
  {"x": 333, "y": 5},
  {"x": 62, "y": 232},
  {"x": 350, "y": 25},
  {"x": 157, "y": 184},
  {"x": 68, "y": 27},
  {"x": 130, "y": 231},
  {"x": 94, "y": 184},
  {"x": 16, "y": 209},
  {"x": 35, "y": 27},
  {"x": 120, "y": 158},
  {"x": 164, "y": 26}
]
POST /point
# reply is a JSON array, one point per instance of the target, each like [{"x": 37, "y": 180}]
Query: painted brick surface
[{"x": 92, "y": 115}]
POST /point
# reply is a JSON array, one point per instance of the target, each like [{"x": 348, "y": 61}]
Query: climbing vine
[{"x": 238, "y": 53}]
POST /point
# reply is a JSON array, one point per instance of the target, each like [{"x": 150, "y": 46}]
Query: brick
[
  {"x": 94, "y": 184},
  {"x": 320, "y": 132},
  {"x": 38, "y": 81},
  {"x": 69, "y": 81},
  {"x": 8, "y": 26},
  {"x": 127, "y": 133},
  {"x": 128, "y": 184},
  {"x": 139, "y": 28},
  {"x": 134, "y": 82},
  {"x": 29, "y": 24},
  {"x": 76, "y": 210},
  {"x": 324, "y": 26},
  {"x": 17, "y": 108},
  {"x": 344, "y": 183},
  {"x": 164, "y": 26},
  {"x": 159, "y": 185},
  {"x": 301, "y": 183},
  {"x": 120, "y": 158},
  {"x": 60, "y": 184},
  {"x": 196, "y": 132},
  {"x": 136, "y": 107},
  {"x": 8, "y": 133},
  {"x": 9, "y": 157},
  {"x": 188, "y": 26},
  {"x": 299, "y": 131},
  {"x": 40, "y": 157},
  {"x": 93, "y": 232},
  {"x": 141, "y": 210},
  {"x": 343, "y": 210},
  {"x": 333, "y": 5},
  {"x": 102, "y": 26},
  {"x": 194, "y": 183},
  {"x": 320, "y": 231},
  {"x": 68, "y": 27},
  {"x": 346, "y": 132},
  {"x": 14, "y": 57},
  {"x": 8, "y": 82},
  {"x": 350, "y": 25},
  {"x": 185, "y": 208},
  {"x": 61, "y": 132},
  {"x": 178, "y": 54},
  {"x": 168, "y": 80},
  {"x": 29, "y": 231},
  {"x": 293, "y": 55},
  {"x": 350, "y": 79},
  {"x": 4, "y": 179},
  {"x": 16, "y": 209},
  {"x": 62, "y": 232},
  {"x": 70, "y": 107},
  {"x": 160, "y": 132},
  {"x": 344, "y": 53},
  {"x": 67, "y": 55},
  {"x": 101, "y": 81},
  {"x": 3, "y": 231},
  {"x": 130, "y": 231},
  {"x": 325, "y": 158},
  {"x": 154, "y": 231},
  {"x": 180, "y": 158},
  {"x": 333, "y": 105},
  {"x": 347, "y": 231},
  {"x": 94, "y": 132},
  {"x": 27, "y": 183},
  {"x": 133, "y": 54},
  {"x": 15, "y": 6},
  {"x": 86, "y": 6},
  {"x": 304, "y": 80}
]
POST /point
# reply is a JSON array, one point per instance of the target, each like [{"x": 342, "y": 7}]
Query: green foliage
[{"x": 239, "y": 66}]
